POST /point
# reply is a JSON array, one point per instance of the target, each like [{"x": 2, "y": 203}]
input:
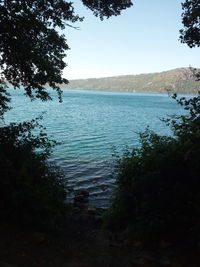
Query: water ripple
[{"x": 89, "y": 124}]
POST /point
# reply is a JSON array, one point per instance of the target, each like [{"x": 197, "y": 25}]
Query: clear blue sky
[{"x": 143, "y": 39}]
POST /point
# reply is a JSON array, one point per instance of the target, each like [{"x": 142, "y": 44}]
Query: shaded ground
[{"x": 85, "y": 244}]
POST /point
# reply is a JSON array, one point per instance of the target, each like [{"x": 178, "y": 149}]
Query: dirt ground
[{"x": 85, "y": 244}]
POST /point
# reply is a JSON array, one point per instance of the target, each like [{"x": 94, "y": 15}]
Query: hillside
[{"x": 179, "y": 80}]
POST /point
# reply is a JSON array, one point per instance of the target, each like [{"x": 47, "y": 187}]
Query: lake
[{"x": 90, "y": 125}]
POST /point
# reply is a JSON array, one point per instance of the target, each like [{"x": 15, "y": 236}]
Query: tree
[
  {"x": 191, "y": 32},
  {"x": 31, "y": 47},
  {"x": 191, "y": 22},
  {"x": 107, "y": 8}
]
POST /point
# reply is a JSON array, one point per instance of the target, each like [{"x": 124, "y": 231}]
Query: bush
[
  {"x": 32, "y": 189},
  {"x": 157, "y": 192}
]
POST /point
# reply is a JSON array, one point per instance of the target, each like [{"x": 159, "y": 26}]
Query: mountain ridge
[{"x": 178, "y": 80}]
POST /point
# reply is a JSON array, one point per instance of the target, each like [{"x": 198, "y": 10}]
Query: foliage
[
  {"x": 32, "y": 49},
  {"x": 157, "y": 191},
  {"x": 4, "y": 99},
  {"x": 195, "y": 73},
  {"x": 32, "y": 189},
  {"x": 107, "y": 8},
  {"x": 191, "y": 22}
]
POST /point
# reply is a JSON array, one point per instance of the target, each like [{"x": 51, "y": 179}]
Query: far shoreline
[{"x": 128, "y": 92}]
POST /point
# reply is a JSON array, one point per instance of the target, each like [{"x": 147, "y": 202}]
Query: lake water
[{"x": 90, "y": 124}]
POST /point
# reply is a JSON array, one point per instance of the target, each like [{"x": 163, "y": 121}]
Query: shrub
[
  {"x": 32, "y": 189},
  {"x": 157, "y": 185}
]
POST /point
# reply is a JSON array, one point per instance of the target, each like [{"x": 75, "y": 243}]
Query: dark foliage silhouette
[
  {"x": 32, "y": 189},
  {"x": 157, "y": 193},
  {"x": 190, "y": 34}
]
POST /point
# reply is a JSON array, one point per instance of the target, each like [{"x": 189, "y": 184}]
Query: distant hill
[{"x": 178, "y": 80}]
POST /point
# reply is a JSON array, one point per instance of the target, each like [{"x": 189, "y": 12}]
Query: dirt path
[{"x": 84, "y": 244}]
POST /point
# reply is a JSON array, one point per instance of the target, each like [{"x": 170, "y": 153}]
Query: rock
[
  {"x": 101, "y": 210},
  {"x": 84, "y": 193},
  {"x": 81, "y": 196},
  {"x": 76, "y": 210},
  {"x": 80, "y": 205},
  {"x": 91, "y": 210}
]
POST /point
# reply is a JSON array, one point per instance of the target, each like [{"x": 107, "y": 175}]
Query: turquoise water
[{"x": 90, "y": 124}]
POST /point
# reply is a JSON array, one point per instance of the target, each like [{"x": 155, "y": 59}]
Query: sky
[{"x": 143, "y": 39}]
